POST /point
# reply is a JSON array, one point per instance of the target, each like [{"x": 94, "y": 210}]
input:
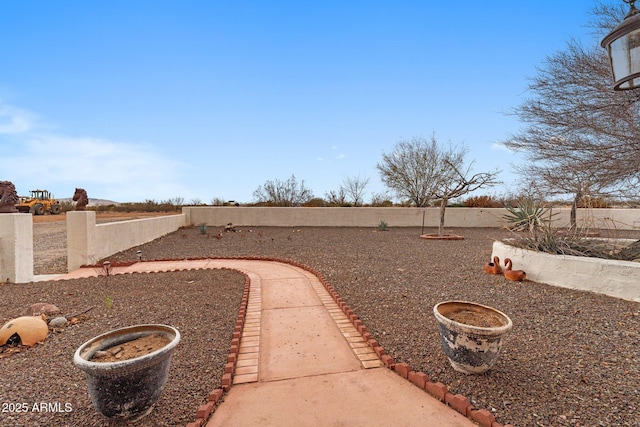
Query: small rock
[
  {"x": 42, "y": 308},
  {"x": 58, "y": 322}
]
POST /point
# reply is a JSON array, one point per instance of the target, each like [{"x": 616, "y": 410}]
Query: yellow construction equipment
[{"x": 39, "y": 203}]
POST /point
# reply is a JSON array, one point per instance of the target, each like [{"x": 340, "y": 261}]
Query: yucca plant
[{"x": 527, "y": 215}]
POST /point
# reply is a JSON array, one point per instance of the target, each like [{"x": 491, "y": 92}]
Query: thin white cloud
[
  {"x": 14, "y": 120},
  {"x": 121, "y": 171},
  {"x": 331, "y": 157},
  {"x": 499, "y": 147}
]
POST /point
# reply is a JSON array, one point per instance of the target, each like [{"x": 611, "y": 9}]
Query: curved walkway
[{"x": 301, "y": 361}]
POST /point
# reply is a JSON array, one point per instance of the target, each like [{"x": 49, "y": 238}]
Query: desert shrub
[
  {"x": 483, "y": 201},
  {"x": 575, "y": 242},
  {"x": 631, "y": 203},
  {"x": 386, "y": 203},
  {"x": 515, "y": 199},
  {"x": 380, "y": 200},
  {"x": 146, "y": 206},
  {"x": 283, "y": 193},
  {"x": 66, "y": 206},
  {"x": 316, "y": 202},
  {"x": 594, "y": 202}
]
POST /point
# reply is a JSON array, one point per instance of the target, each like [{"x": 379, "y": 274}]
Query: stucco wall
[
  {"x": 620, "y": 279},
  {"x": 88, "y": 242},
  {"x": 16, "y": 248},
  {"x": 394, "y": 217}
]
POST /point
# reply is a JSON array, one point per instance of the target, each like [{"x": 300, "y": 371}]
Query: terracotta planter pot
[
  {"x": 471, "y": 334},
  {"x": 128, "y": 389}
]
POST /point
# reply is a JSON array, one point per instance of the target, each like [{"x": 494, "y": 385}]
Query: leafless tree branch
[{"x": 582, "y": 137}]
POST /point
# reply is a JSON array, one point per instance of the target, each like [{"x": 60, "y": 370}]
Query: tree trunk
[
  {"x": 574, "y": 210},
  {"x": 443, "y": 206}
]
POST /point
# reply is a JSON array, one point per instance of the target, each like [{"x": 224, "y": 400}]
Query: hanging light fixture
[{"x": 623, "y": 46}]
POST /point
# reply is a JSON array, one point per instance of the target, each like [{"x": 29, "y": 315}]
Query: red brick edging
[
  {"x": 204, "y": 411},
  {"x": 419, "y": 379},
  {"x": 438, "y": 390}
]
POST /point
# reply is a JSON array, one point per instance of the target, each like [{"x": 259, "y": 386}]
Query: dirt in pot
[
  {"x": 131, "y": 349},
  {"x": 474, "y": 318}
]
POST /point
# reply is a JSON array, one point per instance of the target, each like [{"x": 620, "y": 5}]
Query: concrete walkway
[{"x": 301, "y": 361}]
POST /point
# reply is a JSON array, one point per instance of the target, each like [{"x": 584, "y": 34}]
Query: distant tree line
[{"x": 480, "y": 201}]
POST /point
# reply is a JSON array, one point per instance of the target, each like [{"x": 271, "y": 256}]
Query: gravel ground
[
  {"x": 572, "y": 358},
  {"x": 50, "y": 247},
  {"x": 46, "y": 373}
]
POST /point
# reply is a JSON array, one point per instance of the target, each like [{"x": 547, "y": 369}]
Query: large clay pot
[
  {"x": 30, "y": 329},
  {"x": 127, "y": 389},
  {"x": 471, "y": 334}
]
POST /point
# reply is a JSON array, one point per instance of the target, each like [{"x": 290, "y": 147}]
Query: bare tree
[
  {"x": 354, "y": 187},
  {"x": 350, "y": 193},
  {"x": 381, "y": 199},
  {"x": 422, "y": 170},
  {"x": 177, "y": 201},
  {"x": 336, "y": 198},
  {"x": 582, "y": 138},
  {"x": 412, "y": 169},
  {"x": 565, "y": 176},
  {"x": 283, "y": 193},
  {"x": 456, "y": 180}
]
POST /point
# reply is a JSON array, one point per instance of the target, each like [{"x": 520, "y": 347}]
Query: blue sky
[{"x": 155, "y": 99}]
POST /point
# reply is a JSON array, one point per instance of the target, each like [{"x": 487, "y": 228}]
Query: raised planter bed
[{"x": 620, "y": 279}]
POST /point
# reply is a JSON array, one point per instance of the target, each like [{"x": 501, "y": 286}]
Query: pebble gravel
[{"x": 572, "y": 358}]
